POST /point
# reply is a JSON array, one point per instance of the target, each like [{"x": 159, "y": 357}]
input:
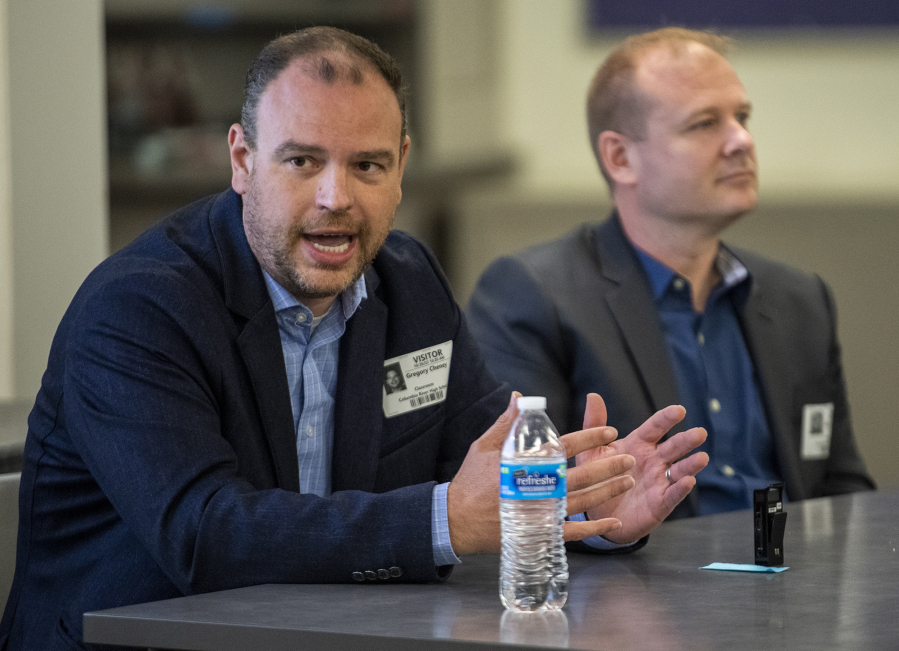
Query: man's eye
[
  {"x": 743, "y": 118},
  {"x": 703, "y": 124},
  {"x": 299, "y": 161},
  {"x": 367, "y": 166}
]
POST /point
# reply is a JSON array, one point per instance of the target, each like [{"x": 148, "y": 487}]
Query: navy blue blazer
[
  {"x": 576, "y": 315},
  {"x": 160, "y": 458}
]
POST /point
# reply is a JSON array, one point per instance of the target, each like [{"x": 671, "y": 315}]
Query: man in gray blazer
[{"x": 650, "y": 308}]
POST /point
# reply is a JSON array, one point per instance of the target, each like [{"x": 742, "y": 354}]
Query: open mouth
[{"x": 331, "y": 243}]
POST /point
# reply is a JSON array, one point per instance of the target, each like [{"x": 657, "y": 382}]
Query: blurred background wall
[
  {"x": 112, "y": 114},
  {"x": 53, "y": 207}
]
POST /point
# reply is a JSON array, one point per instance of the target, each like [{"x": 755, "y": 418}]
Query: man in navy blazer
[
  {"x": 650, "y": 308},
  {"x": 213, "y": 413}
]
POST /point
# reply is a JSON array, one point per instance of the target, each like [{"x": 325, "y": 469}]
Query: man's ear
[
  {"x": 404, "y": 155},
  {"x": 241, "y": 159},
  {"x": 616, "y": 151},
  {"x": 404, "y": 151}
]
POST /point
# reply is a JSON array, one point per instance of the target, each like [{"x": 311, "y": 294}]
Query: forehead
[
  {"x": 682, "y": 81},
  {"x": 299, "y": 104}
]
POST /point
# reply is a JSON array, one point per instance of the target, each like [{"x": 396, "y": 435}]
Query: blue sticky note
[{"x": 735, "y": 567}]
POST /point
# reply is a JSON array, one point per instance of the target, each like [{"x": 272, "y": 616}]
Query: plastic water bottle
[{"x": 533, "y": 568}]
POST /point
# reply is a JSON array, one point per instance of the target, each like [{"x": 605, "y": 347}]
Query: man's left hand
[{"x": 653, "y": 496}]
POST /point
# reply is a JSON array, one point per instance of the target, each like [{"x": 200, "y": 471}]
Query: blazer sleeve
[
  {"x": 145, "y": 395},
  {"x": 520, "y": 334}
]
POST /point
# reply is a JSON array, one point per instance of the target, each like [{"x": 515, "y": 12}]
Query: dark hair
[
  {"x": 314, "y": 43},
  {"x": 614, "y": 101}
]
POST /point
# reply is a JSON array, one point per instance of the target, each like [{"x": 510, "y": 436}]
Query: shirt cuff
[
  {"x": 440, "y": 536},
  {"x": 597, "y": 542}
]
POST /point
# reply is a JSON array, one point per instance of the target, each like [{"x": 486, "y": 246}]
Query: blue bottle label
[{"x": 538, "y": 481}]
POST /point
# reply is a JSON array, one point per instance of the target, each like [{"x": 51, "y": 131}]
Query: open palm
[{"x": 653, "y": 496}]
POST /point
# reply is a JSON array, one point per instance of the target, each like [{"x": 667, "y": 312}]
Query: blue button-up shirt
[
  {"x": 716, "y": 382},
  {"x": 311, "y": 347}
]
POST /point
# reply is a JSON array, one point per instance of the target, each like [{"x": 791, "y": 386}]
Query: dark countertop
[{"x": 839, "y": 593}]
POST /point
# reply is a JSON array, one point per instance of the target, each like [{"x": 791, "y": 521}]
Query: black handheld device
[{"x": 770, "y": 523}]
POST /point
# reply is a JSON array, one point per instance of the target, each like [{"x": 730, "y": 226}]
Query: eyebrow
[
  {"x": 384, "y": 156},
  {"x": 743, "y": 106},
  {"x": 294, "y": 147}
]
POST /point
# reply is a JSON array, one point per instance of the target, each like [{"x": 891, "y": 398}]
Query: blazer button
[
  {"x": 383, "y": 574},
  {"x": 395, "y": 572},
  {"x": 358, "y": 576},
  {"x": 371, "y": 576}
]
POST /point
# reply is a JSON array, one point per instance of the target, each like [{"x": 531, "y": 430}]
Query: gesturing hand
[
  {"x": 472, "y": 499},
  {"x": 653, "y": 497}
]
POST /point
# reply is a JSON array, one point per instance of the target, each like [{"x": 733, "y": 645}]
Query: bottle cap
[{"x": 531, "y": 402}]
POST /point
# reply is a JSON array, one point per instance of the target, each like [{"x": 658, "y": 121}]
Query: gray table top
[{"x": 841, "y": 592}]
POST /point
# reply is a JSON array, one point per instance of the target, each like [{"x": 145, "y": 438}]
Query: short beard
[
  {"x": 292, "y": 281},
  {"x": 273, "y": 251}
]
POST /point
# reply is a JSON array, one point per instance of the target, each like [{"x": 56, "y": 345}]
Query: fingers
[
  {"x": 689, "y": 467},
  {"x": 659, "y": 423},
  {"x": 681, "y": 444},
  {"x": 596, "y": 472},
  {"x": 587, "y": 439},
  {"x": 494, "y": 437},
  {"x": 581, "y": 530},
  {"x": 583, "y": 500},
  {"x": 675, "y": 493},
  {"x": 595, "y": 414}
]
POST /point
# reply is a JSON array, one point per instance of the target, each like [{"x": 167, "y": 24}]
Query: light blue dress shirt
[{"x": 311, "y": 347}]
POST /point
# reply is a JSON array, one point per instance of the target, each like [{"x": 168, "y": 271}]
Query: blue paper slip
[{"x": 735, "y": 567}]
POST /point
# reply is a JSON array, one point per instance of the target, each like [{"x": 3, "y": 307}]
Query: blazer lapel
[
  {"x": 759, "y": 319},
  {"x": 259, "y": 341},
  {"x": 358, "y": 412},
  {"x": 260, "y": 347},
  {"x": 631, "y": 304}
]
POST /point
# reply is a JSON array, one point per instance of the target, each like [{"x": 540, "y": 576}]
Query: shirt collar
[
  {"x": 733, "y": 272},
  {"x": 349, "y": 299}
]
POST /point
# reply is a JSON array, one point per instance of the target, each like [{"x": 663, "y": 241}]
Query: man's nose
[
  {"x": 739, "y": 140},
  {"x": 334, "y": 191}
]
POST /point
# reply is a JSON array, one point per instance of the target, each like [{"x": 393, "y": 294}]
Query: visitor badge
[
  {"x": 417, "y": 380},
  {"x": 817, "y": 424}
]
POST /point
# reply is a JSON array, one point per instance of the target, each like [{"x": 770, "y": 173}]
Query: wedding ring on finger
[{"x": 668, "y": 475}]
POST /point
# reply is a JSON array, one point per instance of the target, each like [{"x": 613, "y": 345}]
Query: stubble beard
[{"x": 275, "y": 250}]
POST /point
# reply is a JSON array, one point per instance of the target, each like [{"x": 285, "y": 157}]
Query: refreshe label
[
  {"x": 417, "y": 380},
  {"x": 536, "y": 481}
]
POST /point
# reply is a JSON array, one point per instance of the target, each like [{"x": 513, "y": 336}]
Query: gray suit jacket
[{"x": 576, "y": 315}]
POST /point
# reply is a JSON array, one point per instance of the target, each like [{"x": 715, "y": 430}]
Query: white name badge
[
  {"x": 417, "y": 380},
  {"x": 817, "y": 426}
]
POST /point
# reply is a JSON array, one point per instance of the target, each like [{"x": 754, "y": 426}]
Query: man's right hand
[{"x": 473, "y": 496}]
